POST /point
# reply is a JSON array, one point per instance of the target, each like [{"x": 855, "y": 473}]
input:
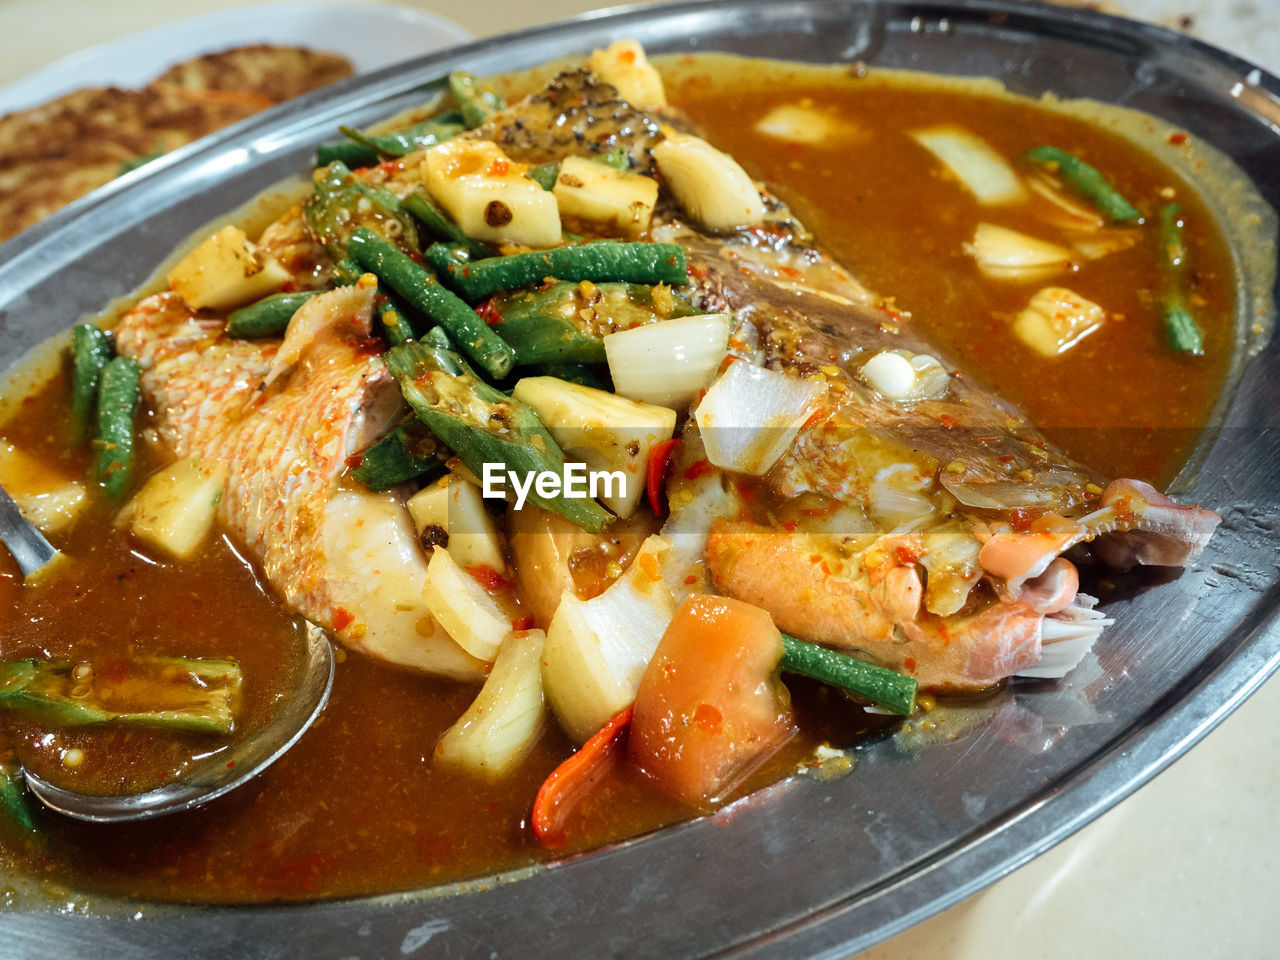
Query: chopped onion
[
  {"x": 472, "y": 617},
  {"x": 505, "y": 720},
  {"x": 1000, "y": 494},
  {"x": 1105, "y": 243},
  {"x": 797, "y": 123},
  {"x": 951, "y": 560},
  {"x": 597, "y": 650},
  {"x": 711, "y": 186},
  {"x": 975, "y": 164},
  {"x": 900, "y": 500},
  {"x": 1009, "y": 255},
  {"x": 667, "y": 363},
  {"x": 1079, "y": 217},
  {"x": 889, "y": 374},
  {"x": 751, "y": 415}
]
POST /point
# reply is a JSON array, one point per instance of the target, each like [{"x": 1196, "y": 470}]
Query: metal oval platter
[{"x": 802, "y": 868}]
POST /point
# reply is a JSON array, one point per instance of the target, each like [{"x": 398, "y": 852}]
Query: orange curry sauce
[
  {"x": 357, "y": 806},
  {"x": 1119, "y": 400}
]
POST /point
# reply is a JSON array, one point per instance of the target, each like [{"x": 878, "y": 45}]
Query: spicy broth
[{"x": 1119, "y": 400}]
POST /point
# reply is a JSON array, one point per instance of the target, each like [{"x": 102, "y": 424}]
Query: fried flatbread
[{"x": 54, "y": 153}]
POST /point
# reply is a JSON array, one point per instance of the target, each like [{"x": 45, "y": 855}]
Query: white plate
[{"x": 370, "y": 35}]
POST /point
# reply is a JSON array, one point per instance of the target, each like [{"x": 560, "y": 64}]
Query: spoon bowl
[{"x": 219, "y": 774}]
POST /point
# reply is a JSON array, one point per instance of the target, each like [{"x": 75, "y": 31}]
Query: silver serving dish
[{"x": 802, "y": 868}]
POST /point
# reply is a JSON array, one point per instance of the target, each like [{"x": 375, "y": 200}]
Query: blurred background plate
[{"x": 370, "y": 35}]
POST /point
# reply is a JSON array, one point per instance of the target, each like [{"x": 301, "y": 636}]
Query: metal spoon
[
  {"x": 25, "y": 542},
  {"x": 221, "y": 773},
  {"x": 226, "y": 769}
]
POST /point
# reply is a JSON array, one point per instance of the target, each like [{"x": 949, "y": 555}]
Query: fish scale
[
  {"x": 285, "y": 450},
  {"x": 202, "y": 384}
]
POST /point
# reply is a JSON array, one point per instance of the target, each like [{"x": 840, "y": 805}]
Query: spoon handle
[{"x": 25, "y": 542}]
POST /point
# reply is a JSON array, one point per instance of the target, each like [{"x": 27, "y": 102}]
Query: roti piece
[{"x": 59, "y": 151}]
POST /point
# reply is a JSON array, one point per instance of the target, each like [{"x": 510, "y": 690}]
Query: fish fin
[{"x": 1065, "y": 638}]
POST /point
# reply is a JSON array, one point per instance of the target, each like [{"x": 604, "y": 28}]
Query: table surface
[{"x": 1187, "y": 866}]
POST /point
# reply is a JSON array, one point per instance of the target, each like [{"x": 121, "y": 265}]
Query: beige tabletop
[{"x": 1187, "y": 867}]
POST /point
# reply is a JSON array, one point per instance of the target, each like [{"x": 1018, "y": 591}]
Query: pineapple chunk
[
  {"x": 44, "y": 496},
  {"x": 597, "y": 650},
  {"x": 225, "y": 271},
  {"x": 596, "y": 192},
  {"x": 175, "y": 508},
  {"x": 463, "y": 607},
  {"x": 453, "y": 506},
  {"x": 490, "y": 196},
  {"x": 711, "y": 187},
  {"x": 1056, "y": 320},
  {"x": 603, "y": 430},
  {"x": 625, "y": 65}
]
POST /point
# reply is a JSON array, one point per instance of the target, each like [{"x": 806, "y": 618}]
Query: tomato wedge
[{"x": 710, "y": 707}]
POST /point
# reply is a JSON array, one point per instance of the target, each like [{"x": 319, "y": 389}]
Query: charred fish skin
[{"x": 576, "y": 115}]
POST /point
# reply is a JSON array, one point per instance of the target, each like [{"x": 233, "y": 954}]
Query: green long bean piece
[
  {"x": 601, "y": 261},
  {"x": 401, "y": 142},
  {"x": 477, "y": 99},
  {"x": 90, "y": 352},
  {"x": 268, "y": 317},
  {"x": 885, "y": 688},
  {"x": 483, "y": 425},
  {"x": 353, "y": 155},
  {"x": 1180, "y": 326},
  {"x": 425, "y": 293},
  {"x": 117, "y": 405},
  {"x": 398, "y": 329},
  {"x": 364, "y": 150},
  {"x": 393, "y": 316},
  {"x": 1092, "y": 184}
]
